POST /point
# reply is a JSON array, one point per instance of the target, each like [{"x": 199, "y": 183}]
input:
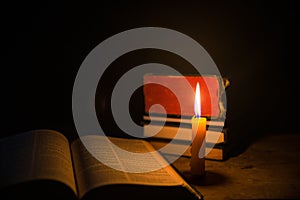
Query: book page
[
  {"x": 91, "y": 173},
  {"x": 33, "y": 155}
]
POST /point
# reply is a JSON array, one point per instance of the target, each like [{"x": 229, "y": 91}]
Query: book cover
[{"x": 157, "y": 91}]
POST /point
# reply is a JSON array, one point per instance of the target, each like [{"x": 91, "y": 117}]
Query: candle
[{"x": 197, "y": 162}]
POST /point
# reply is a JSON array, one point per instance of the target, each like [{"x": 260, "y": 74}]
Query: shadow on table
[{"x": 210, "y": 178}]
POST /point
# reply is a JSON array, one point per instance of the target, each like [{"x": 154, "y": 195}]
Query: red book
[{"x": 158, "y": 90}]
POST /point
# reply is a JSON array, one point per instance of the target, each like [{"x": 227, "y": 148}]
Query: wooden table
[{"x": 268, "y": 169}]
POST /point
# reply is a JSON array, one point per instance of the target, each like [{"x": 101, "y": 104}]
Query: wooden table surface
[{"x": 268, "y": 169}]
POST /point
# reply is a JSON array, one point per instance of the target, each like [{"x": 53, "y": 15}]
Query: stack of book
[
  {"x": 162, "y": 131},
  {"x": 161, "y": 127}
]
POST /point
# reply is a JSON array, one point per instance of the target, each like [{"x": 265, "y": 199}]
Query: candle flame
[{"x": 197, "y": 103}]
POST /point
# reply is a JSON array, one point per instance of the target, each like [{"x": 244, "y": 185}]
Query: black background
[{"x": 254, "y": 44}]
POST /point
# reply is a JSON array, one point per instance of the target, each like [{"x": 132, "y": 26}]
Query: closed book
[
  {"x": 175, "y": 95},
  {"x": 218, "y": 152}
]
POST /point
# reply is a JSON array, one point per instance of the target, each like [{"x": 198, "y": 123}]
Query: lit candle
[{"x": 197, "y": 162}]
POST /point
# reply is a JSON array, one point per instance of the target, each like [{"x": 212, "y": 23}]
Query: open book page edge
[{"x": 32, "y": 151}]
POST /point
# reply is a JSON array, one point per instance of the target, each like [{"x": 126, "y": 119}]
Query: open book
[{"x": 44, "y": 164}]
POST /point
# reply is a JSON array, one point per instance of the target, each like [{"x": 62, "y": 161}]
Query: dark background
[{"x": 254, "y": 44}]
